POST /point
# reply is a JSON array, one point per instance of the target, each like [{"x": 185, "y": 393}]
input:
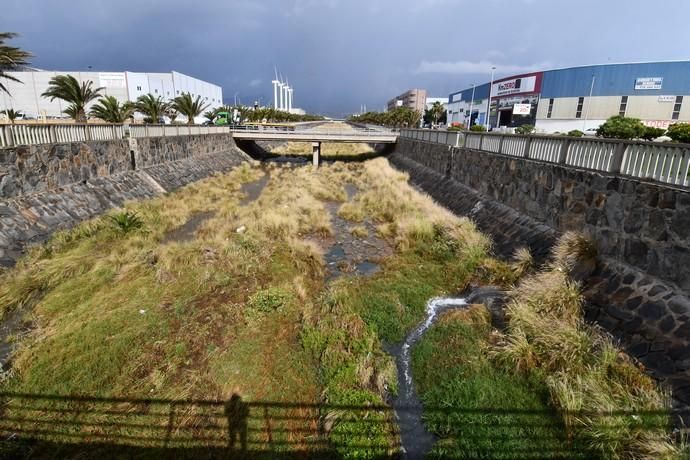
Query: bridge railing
[
  {"x": 140, "y": 131},
  {"x": 40, "y": 133},
  {"x": 32, "y": 134},
  {"x": 26, "y": 134},
  {"x": 663, "y": 162}
]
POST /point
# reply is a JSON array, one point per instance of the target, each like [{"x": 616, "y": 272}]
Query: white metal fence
[
  {"x": 31, "y": 134},
  {"x": 663, "y": 162}
]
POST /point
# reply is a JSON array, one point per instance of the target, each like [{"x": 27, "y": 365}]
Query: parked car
[{"x": 590, "y": 132}]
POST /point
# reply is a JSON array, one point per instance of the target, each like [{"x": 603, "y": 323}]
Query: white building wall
[
  {"x": 652, "y": 110},
  {"x": 26, "y": 96},
  {"x": 137, "y": 85}
]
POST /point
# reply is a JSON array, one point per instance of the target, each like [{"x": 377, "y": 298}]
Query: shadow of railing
[{"x": 43, "y": 426}]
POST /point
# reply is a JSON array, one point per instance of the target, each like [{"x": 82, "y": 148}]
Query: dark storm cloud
[{"x": 339, "y": 54}]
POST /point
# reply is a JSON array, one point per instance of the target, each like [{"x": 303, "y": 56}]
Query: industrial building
[
  {"x": 579, "y": 98},
  {"x": 125, "y": 86},
  {"x": 414, "y": 99}
]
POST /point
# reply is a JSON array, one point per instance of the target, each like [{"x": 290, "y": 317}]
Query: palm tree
[
  {"x": 67, "y": 88},
  {"x": 12, "y": 114},
  {"x": 171, "y": 113},
  {"x": 189, "y": 107},
  {"x": 210, "y": 115},
  {"x": 436, "y": 111},
  {"x": 110, "y": 110},
  {"x": 11, "y": 58},
  {"x": 152, "y": 107}
]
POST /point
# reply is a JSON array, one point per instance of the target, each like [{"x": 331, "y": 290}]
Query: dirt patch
[
  {"x": 349, "y": 254},
  {"x": 187, "y": 231},
  {"x": 13, "y": 326},
  {"x": 252, "y": 190}
]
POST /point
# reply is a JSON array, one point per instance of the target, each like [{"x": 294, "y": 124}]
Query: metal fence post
[
  {"x": 617, "y": 157},
  {"x": 481, "y": 142},
  {"x": 563, "y": 154},
  {"x": 52, "y": 134},
  {"x": 87, "y": 132},
  {"x": 528, "y": 144},
  {"x": 500, "y": 143},
  {"x": 9, "y": 135}
]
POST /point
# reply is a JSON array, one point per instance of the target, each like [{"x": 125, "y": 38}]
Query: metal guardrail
[
  {"x": 47, "y": 134},
  {"x": 25, "y": 134},
  {"x": 662, "y": 162},
  {"x": 141, "y": 131}
]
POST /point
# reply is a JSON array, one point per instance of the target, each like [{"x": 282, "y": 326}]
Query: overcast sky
[{"x": 340, "y": 54}]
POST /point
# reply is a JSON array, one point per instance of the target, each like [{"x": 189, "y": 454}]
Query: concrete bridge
[
  {"x": 37, "y": 134},
  {"x": 316, "y": 136}
]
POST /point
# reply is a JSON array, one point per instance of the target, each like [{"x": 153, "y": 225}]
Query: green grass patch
[{"x": 478, "y": 409}]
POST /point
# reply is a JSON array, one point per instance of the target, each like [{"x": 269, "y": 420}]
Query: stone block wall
[
  {"x": 157, "y": 150},
  {"x": 28, "y": 169},
  {"x": 643, "y": 224},
  {"x": 526, "y": 203},
  {"x": 44, "y": 188}
]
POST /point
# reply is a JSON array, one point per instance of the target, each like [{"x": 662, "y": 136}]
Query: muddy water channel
[{"x": 349, "y": 254}]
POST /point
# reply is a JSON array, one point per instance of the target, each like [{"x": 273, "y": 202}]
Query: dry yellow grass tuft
[{"x": 605, "y": 400}]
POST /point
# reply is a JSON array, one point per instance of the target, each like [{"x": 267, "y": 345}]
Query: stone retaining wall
[
  {"x": 28, "y": 169},
  {"x": 650, "y": 316},
  {"x": 34, "y": 217},
  {"x": 643, "y": 224}
]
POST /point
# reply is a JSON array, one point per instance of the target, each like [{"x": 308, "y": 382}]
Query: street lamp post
[
  {"x": 469, "y": 123},
  {"x": 589, "y": 102},
  {"x": 488, "y": 104}
]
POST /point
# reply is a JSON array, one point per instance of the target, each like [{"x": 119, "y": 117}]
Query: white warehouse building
[{"x": 26, "y": 96}]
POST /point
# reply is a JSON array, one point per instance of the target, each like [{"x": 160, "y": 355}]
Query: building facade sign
[
  {"x": 530, "y": 83},
  {"x": 667, "y": 98},
  {"x": 648, "y": 83},
  {"x": 663, "y": 124},
  {"x": 522, "y": 109}
]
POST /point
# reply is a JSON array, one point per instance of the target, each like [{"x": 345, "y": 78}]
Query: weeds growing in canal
[
  {"x": 550, "y": 385},
  {"x": 244, "y": 309},
  {"x": 238, "y": 309}
]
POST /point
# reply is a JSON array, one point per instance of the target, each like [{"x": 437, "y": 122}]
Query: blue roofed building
[{"x": 580, "y": 98}]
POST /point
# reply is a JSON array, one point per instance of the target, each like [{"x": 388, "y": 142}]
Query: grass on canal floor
[
  {"x": 550, "y": 387},
  {"x": 120, "y": 311},
  {"x": 177, "y": 331}
]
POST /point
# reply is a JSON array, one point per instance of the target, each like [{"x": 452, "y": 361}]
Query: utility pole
[
  {"x": 469, "y": 123},
  {"x": 589, "y": 102},
  {"x": 488, "y": 104}
]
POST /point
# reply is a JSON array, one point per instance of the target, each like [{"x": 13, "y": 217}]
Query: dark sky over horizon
[{"x": 340, "y": 54}]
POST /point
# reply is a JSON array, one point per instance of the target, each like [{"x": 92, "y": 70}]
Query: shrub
[
  {"x": 680, "y": 132},
  {"x": 478, "y": 128},
  {"x": 575, "y": 133},
  {"x": 652, "y": 133},
  {"x": 455, "y": 127},
  {"x": 619, "y": 127},
  {"x": 127, "y": 221},
  {"x": 267, "y": 300},
  {"x": 525, "y": 129}
]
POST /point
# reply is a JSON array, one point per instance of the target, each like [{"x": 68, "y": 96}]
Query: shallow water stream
[{"x": 416, "y": 440}]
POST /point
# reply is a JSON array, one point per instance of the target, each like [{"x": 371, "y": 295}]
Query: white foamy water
[{"x": 433, "y": 308}]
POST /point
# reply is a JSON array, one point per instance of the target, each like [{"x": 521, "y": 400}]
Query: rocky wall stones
[
  {"x": 33, "y": 218},
  {"x": 157, "y": 150},
  {"x": 28, "y": 169},
  {"x": 640, "y": 223},
  {"x": 514, "y": 199}
]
